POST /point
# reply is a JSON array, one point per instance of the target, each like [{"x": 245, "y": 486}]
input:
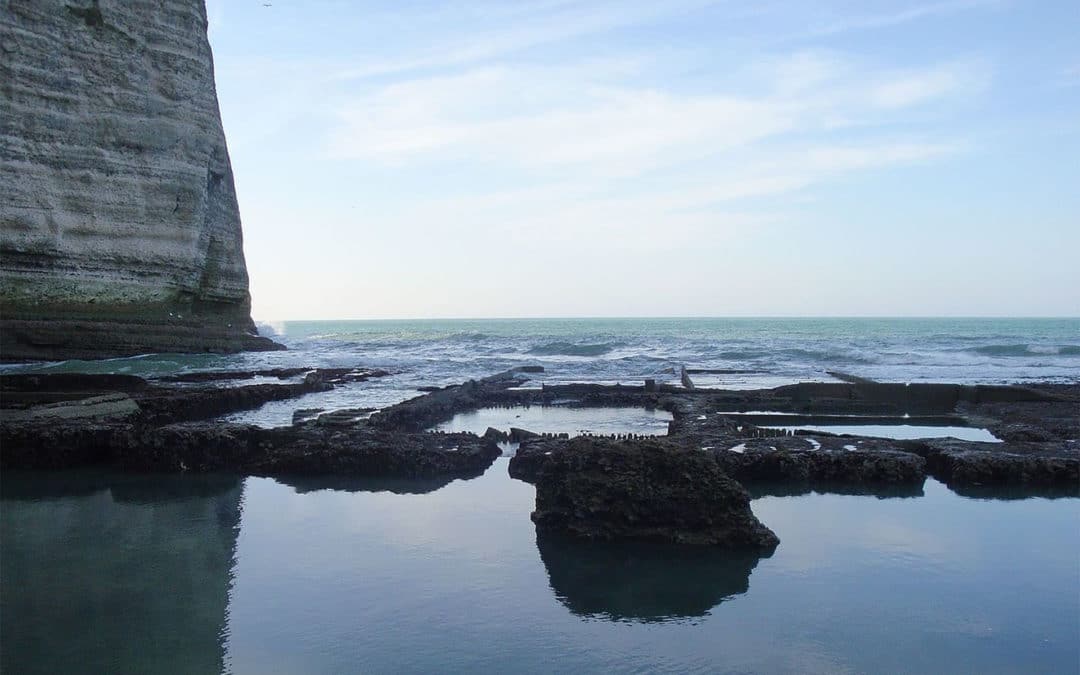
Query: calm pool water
[
  {"x": 102, "y": 572},
  {"x": 563, "y": 419},
  {"x": 902, "y": 431}
]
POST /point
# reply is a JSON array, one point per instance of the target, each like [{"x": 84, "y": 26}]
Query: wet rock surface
[
  {"x": 214, "y": 446},
  {"x": 1038, "y": 466},
  {"x": 57, "y": 421},
  {"x": 1038, "y": 426},
  {"x": 24, "y": 397},
  {"x": 609, "y": 490},
  {"x": 170, "y": 429},
  {"x": 821, "y": 469}
]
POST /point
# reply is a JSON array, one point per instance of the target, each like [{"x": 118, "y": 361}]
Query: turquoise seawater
[
  {"x": 753, "y": 352},
  {"x": 891, "y": 349}
]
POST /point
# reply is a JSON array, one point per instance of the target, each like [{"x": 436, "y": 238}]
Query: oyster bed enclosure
[
  {"x": 564, "y": 417},
  {"x": 596, "y": 486},
  {"x": 57, "y": 421}
]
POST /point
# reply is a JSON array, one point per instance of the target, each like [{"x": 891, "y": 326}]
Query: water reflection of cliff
[
  {"x": 400, "y": 486},
  {"x": 123, "y": 573},
  {"x": 642, "y": 581}
]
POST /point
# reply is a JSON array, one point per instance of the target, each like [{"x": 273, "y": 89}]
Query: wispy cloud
[
  {"x": 539, "y": 118},
  {"x": 902, "y": 15},
  {"x": 524, "y": 27},
  {"x": 914, "y": 87}
]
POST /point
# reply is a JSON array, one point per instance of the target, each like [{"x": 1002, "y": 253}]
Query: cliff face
[{"x": 120, "y": 226}]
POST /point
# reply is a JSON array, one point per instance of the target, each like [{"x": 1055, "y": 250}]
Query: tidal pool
[
  {"x": 557, "y": 419},
  {"x": 116, "y": 573},
  {"x": 901, "y": 431}
]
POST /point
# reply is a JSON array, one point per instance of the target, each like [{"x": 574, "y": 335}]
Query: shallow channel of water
[
  {"x": 901, "y": 431},
  {"x": 557, "y": 419}
]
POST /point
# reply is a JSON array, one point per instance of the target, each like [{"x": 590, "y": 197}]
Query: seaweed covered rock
[{"x": 609, "y": 490}]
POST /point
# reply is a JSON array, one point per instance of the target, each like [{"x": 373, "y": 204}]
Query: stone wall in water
[{"x": 120, "y": 226}]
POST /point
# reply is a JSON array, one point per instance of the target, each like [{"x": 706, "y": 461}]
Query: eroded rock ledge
[
  {"x": 39, "y": 409},
  {"x": 606, "y": 490},
  {"x": 63, "y": 421},
  {"x": 692, "y": 486}
]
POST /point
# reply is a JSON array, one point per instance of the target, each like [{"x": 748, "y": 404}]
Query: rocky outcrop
[
  {"x": 611, "y": 490},
  {"x": 119, "y": 220}
]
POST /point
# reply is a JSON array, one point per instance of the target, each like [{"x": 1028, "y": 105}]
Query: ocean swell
[
  {"x": 1028, "y": 350},
  {"x": 571, "y": 349}
]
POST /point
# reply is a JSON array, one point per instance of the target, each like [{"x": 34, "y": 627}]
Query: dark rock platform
[
  {"x": 1038, "y": 425},
  {"x": 692, "y": 486},
  {"x": 64, "y": 421},
  {"x": 74, "y": 419},
  {"x": 610, "y": 490}
]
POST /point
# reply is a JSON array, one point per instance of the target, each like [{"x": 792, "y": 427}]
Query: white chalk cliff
[{"x": 120, "y": 226}]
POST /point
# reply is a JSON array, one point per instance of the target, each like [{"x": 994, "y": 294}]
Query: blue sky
[{"x": 677, "y": 158}]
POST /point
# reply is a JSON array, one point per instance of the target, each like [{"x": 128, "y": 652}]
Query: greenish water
[
  {"x": 103, "y": 572},
  {"x": 753, "y": 353}
]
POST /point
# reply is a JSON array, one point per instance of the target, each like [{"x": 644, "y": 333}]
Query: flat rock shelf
[{"x": 65, "y": 421}]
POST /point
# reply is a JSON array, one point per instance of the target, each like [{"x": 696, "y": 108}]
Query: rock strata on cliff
[{"x": 120, "y": 227}]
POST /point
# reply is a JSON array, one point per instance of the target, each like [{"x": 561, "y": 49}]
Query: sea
[
  {"x": 131, "y": 573},
  {"x": 753, "y": 353}
]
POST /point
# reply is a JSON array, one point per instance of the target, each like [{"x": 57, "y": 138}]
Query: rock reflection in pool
[
  {"x": 642, "y": 582},
  {"x": 303, "y": 484}
]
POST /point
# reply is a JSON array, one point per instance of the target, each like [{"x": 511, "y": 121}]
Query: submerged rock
[{"x": 609, "y": 490}]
